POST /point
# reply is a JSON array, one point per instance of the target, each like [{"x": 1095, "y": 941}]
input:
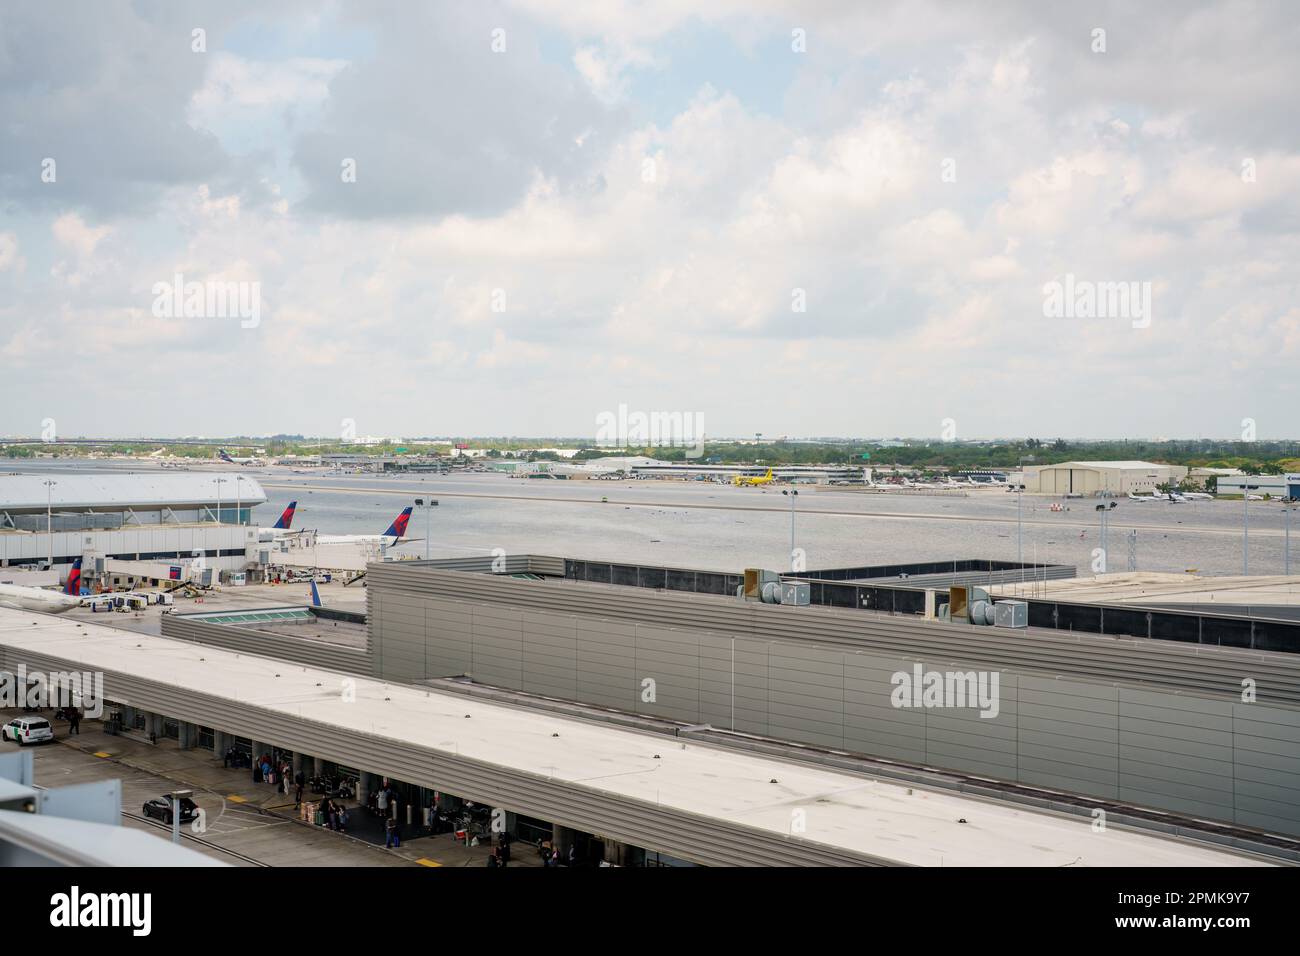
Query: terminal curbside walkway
[{"x": 201, "y": 770}]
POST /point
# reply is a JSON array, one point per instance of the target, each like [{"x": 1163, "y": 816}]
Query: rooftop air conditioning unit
[
  {"x": 795, "y": 593},
  {"x": 1011, "y": 614}
]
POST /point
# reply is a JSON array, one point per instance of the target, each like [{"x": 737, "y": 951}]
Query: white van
[{"x": 28, "y": 730}]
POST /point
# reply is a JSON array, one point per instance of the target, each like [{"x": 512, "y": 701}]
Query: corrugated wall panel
[
  {"x": 671, "y": 659},
  {"x": 497, "y": 649},
  {"x": 872, "y": 724},
  {"x": 550, "y": 655},
  {"x": 606, "y": 666},
  {"x": 806, "y": 694},
  {"x": 1176, "y": 752},
  {"x": 962, "y": 736},
  {"x": 340, "y": 657},
  {"x": 1068, "y": 736}
]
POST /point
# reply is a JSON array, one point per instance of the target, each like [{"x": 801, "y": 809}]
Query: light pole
[
  {"x": 219, "y": 482},
  {"x": 428, "y": 523},
  {"x": 176, "y": 797},
  {"x": 794, "y": 495},
  {"x": 49, "y": 515},
  {"x": 1020, "y": 487},
  {"x": 1105, "y": 527},
  {"x": 239, "y": 511},
  {"x": 1288, "y": 506},
  {"x": 1245, "y": 526}
]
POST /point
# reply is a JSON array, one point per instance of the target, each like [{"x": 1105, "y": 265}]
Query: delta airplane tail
[
  {"x": 398, "y": 528},
  {"x": 73, "y": 586},
  {"x": 286, "y": 518}
]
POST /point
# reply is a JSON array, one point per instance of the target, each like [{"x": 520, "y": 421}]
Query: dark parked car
[{"x": 161, "y": 807}]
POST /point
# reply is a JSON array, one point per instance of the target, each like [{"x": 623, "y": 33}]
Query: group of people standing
[
  {"x": 334, "y": 814},
  {"x": 551, "y": 854}
]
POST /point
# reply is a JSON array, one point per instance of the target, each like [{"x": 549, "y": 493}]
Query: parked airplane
[
  {"x": 396, "y": 531},
  {"x": 766, "y": 479},
  {"x": 26, "y": 598},
  {"x": 227, "y": 457},
  {"x": 281, "y": 527}
]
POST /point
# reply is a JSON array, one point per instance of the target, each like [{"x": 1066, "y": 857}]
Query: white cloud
[
  {"x": 10, "y": 260},
  {"x": 671, "y": 283},
  {"x": 71, "y": 230}
]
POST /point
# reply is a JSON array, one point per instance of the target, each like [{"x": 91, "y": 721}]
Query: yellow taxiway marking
[
  {"x": 235, "y": 798},
  {"x": 423, "y": 861},
  {"x": 101, "y": 753}
]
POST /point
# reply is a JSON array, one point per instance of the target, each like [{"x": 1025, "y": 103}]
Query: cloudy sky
[{"x": 815, "y": 218}]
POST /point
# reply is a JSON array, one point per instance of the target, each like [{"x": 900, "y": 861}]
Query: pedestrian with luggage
[{"x": 393, "y": 836}]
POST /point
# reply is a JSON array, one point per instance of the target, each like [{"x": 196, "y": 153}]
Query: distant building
[
  {"x": 557, "y": 452},
  {"x": 619, "y": 463},
  {"x": 1096, "y": 477},
  {"x": 1199, "y": 476},
  {"x": 1275, "y": 486}
]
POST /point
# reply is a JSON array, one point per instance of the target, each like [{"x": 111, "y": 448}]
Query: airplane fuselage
[{"x": 36, "y": 599}]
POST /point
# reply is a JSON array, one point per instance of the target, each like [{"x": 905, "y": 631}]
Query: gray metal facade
[
  {"x": 249, "y": 640},
  {"x": 1074, "y": 712}
]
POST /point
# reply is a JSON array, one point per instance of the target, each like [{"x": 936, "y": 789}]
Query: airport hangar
[
  {"x": 1151, "y": 729},
  {"x": 1094, "y": 477},
  {"x": 140, "y": 525}
]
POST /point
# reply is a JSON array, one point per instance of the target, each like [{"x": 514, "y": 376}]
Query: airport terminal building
[
  {"x": 642, "y": 714},
  {"x": 131, "y": 518}
]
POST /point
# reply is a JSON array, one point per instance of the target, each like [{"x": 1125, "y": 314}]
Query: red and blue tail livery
[
  {"x": 398, "y": 528},
  {"x": 286, "y": 519},
  {"x": 73, "y": 586}
]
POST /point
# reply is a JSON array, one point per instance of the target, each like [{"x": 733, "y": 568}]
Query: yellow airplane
[{"x": 754, "y": 479}]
